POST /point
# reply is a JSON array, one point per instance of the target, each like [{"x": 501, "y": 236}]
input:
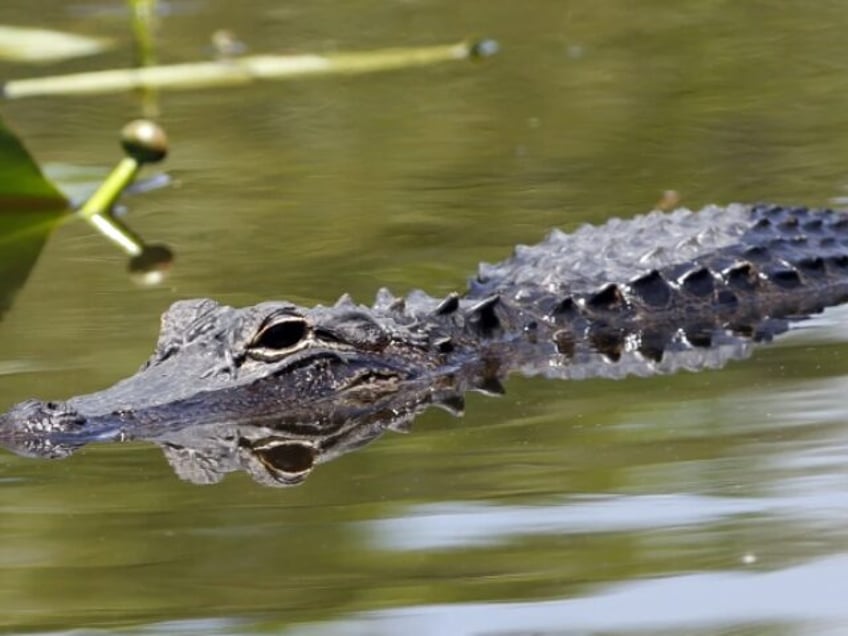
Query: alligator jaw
[
  {"x": 214, "y": 363},
  {"x": 324, "y": 390},
  {"x": 49, "y": 429}
]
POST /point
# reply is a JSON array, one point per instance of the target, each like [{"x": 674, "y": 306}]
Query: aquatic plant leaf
[
  {"x": 22, "y": 185},
  {"x": 30, "y": 206},
  {"x": 22, "y": 44}
]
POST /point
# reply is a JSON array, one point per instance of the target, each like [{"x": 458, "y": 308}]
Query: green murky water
[{"x": 700, "y": 503}]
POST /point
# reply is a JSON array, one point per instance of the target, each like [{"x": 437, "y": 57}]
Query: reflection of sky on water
[
  {"x": 468, "y": 524},
  {"x": 814, "y": 402},
  {"x": 806, "y": 482},
  {"x": 803, "y": 476},
  {"x": 829, "y": 326},
  {"x": 465, "y": 524},
  {"x": 812, "y": 594}
]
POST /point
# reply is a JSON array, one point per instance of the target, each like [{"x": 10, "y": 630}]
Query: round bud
[{"x": 144, "y": 141}]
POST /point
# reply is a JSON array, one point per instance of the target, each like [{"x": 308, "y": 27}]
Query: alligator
[{"x": 275, "y": 388}]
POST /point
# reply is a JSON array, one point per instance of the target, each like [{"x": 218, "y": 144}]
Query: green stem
[
  {"x": 96, "y": 209},
  {"x": 143, "y": 27},
  {"x": 118, "y": 233},
  {"x": 104, "y": 198}
]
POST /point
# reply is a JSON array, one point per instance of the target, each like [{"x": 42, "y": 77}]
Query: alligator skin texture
[{"x": 275, "y": 388}]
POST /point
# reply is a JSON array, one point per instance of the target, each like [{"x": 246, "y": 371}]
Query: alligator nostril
[{"x": 40, "y": 418}]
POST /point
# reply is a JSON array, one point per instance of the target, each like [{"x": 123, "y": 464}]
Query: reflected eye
[
  {"x": 281, "y": 335},
  {"x": 290, "y": 457},
  {"x": 287, "y": 462}
]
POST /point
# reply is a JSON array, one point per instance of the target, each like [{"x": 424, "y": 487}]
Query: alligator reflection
[
  {"x": 284, "y": 454},
  {"x": 279, "y": 446}
]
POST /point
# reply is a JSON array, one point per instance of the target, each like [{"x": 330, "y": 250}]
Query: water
[{"x": 697, "y": 503}]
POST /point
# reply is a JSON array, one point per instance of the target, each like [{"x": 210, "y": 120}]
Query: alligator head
[
  {"x": 261, "y": 365},
  {"x": 274, "y": 389}
]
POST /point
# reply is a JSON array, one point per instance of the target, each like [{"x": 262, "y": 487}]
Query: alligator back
[{"x": 720, "y": 266}]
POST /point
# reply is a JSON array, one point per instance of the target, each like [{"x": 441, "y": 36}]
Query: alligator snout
[
  {"x": 34, "y": 427},
  {"x": 34, "y": 416}
]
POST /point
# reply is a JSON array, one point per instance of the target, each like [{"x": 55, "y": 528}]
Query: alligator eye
[{"x": 281, "y": 335}]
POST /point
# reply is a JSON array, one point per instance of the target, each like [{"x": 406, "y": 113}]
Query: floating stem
[{"x": 244, "y": 70}]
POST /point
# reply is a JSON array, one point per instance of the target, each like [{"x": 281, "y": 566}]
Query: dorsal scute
[{"x": 616, "y": 251}]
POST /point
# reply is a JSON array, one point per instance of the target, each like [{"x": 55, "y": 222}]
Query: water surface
[{"x": 697, "y": 503}]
